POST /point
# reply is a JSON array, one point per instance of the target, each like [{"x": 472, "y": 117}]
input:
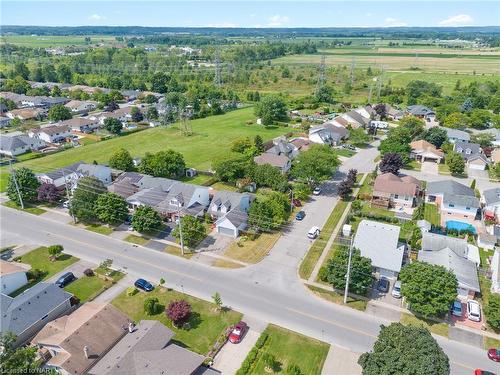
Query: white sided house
[
  {"x": 51, "y": 134},
  {"x": 72, "y": 173},
  {"x": 230, "y": 212},
  {"x": 12, "y": 276}
]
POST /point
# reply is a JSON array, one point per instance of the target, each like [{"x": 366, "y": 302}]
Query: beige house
[
  {"x": 391, "y": 191},
  {"x": 425, "y": 151},
  {"x": 281, "y": 162}
]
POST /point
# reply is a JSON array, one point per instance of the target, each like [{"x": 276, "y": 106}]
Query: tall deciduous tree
[
  {"x": 402, "y": 349},
  {"x": 59, "y": 112},
  {"x": 17, "y": 360},
  {"x": 169, "y": 164},
  {"x": 315, "y": 165},
  {"x": 230, "y": 169},
  {"x": 145, "y": 219},
  {"x": 83, "y": 202},
  {"x": 113, "y": 125},
  {"x": 193, "y": 231},
  {"x": 271, "y": 108},
  {"x": 111, "y": 208},
  {"x": 436, "y": 136},
  {"x": 455, "y": 163},
  {"x": 122, "y": 160},
  {"x": 428, "y": 289},
  {"x": 27, "y": 183},
  {"x": 391, "y": 163},
  {"x": 492, "y": 311},
  {"x": 47, "y": 192}
]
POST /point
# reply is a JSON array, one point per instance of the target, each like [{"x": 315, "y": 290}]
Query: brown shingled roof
[{"x": 389, "y": 183}]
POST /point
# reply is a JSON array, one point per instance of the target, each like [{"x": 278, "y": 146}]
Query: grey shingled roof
[
  {"x": 461, "y": 147},
  {"x": 146, "y": 352},
  {"x": 29, "y": 307},
  {"x": 226, "y": 198},
  {"x": 419, "y": 110},
  {"x": 464, "y": 269},
  {"x": 379, "y": 242},
  {"x": 236, "y": 217},
  {"x": 11, "y": 143},
  {"x": 461, "y": 200},
  {"x": 457, "y": 134},
  {"x": 450, "y": 187},
  {"x": 491, "y": 196},
  {"x": 437, "y": 242}
]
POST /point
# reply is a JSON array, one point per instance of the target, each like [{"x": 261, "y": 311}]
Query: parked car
[
  {"x": 128, "y": 220},
  {"x": 396, "y": 289},
  {"x": 494, "y": 354},
  {"x": 313, "y": 232},
  {"x": 456, "y": 308},
  {"x": 300, "y": 215},
  {"x": 473, "y": 311},
  {"x": 296, "y": 202},
  {"x": 483, "y": 372},
  {"x": 317, "y": 190},
  {"x": 383, "y": 285},
  {"x": 144, "y": 285},
  {"x": 238, "y": 332},
  {"x": 349, "y": 147},
  {"x": 65, "y": 279}
]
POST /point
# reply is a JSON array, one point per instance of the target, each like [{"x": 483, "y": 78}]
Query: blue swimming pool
[{"x": 458, "y": 225}]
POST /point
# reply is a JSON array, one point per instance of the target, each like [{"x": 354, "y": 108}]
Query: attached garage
[
  {"x": 478, "y": 162},
  {"x": 232, "y": 223},
  {"x": 232, "y": 232}
]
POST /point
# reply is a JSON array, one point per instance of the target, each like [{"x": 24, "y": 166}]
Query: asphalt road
[{"x": 259, "y": 290}]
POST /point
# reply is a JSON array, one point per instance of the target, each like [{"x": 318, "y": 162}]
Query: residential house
[
  {"x": 367, "y": 112},
  {"x": 425, "y": 151},
  {"x": 51, "y": 134},
  {"x": 27, "y": 313},
  {"x": 455, "y": 135},
  {"x": 130, "y": 95},
  {"x": 472, "y": 154},
  {"x": 4, "y": 121},
  {"x": 148, "y": 350},
  {"x": 356, "y": 119},
  {"x": 300, "y": 143},
  {"x": 72, "y": 173},
  {"x": 282, "y": 162},
  {"x": 80, "y": 124},
  {"x": 73, "y": 343},
  {"x": 495, "y": 272},
  {"x": 230, "y": 212},
  {"x": 12, "y": 276},
  {"x": 27, "y": 113},
  {"x": 495, "y": 155},
  {"x": 41, "y": 101},
  {"x": 491, "y": 204},
  {"x": 391, "y": 191},
  {"x": 393, "y": 113},
  {"x": 282, "y": 147},
  {"x": 422, "y": 112},
  {"x": 184, "y": 199},
  {"x": 81, "y": 106},
  {"x": 456, "y": 255},
  {"x": 387, "y": 255},
  {"x": 19, "y": 144},
  {"x": 456, "y": 202},
  {"x": 328, "y": 133}
]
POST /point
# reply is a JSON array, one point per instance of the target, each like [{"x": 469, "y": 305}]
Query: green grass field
[
  {"x": 206, "y": 322},
  {"x": 46, "y": 41},
  {"x": 88, "y": 287},
  {"x": 431, "y": 214},
  {"x": 212, "y": 138}
]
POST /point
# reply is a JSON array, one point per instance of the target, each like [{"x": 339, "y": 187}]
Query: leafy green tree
[
  {"x": 27, "y": 183},
  {"x": 358, "y": 137},
  {"x": 402, "y": 349},
  {"x": 492, "y": 311},
  {"x": 455, "y": 163},
  {"x": 230, "y": 169},
  {"x": 436, "y": 136},
  {"x": 111, "y": 208},
  {"x": 428, "y": 289},
  {"x": 412, "y": 125},
  {"x": 169, "y": 164},
  {"x": 301, "y": 191},
  {"x": 64, "y": 73},
  {"x": 122, "y": 160},
  {"x": 83, "y": 202},
  {"x": 271, "y": 108},
  {"x": 480, "y": 118},
  {"x": 269, "y": 176},
  {"x": 315, "y": 165},
  {"x": 193, "y": 231},
  {"x": 113, "y": 125},
  {"x": 152, "y": 306},
  {"x": 417, "y": 89},
  {"x": 496, "y": 170},
  {"x": 59, "y": 112},
  {"x": 483, "y": 139},
  {"x": 270, "y": 212},
  {"x": 398, "y": 141},
  {"x": 324, "y": 94},
  {"x": 146, "y": 219},
  {"x": 55, "y": 250},
  {"x": 258, "y": 143},
  {"x": 17, "y": 360},
  {"x": 456, "y": 120},
  {"x": 361, "y": 271},
  {"x": 217, "y": 300},
  {"x": 241, "y": 145},
  {"x": 152, "y": 113}
]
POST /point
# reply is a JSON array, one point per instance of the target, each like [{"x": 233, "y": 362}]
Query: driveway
[
  {"x": 341, "y": 361},
  {"x": 214, "y": 242},
  {"x": 477, "y": 173},
  {"x": 230, "y": 357},
  {"x": 77, "y": 269},
  {"x": 430, "y": 168}
]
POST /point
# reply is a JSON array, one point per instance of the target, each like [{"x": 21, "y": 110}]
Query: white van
[
  {"x": 473, "y": 311},
  {"x": 313, "y": 232}
]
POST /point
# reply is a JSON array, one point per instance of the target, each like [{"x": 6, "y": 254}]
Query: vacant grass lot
[
  {"x": 289, "y": 347},
  {"x": 206, "y": 323},
  {"x": 52, "y": 40},
  {"x": 88, "y": 287},
  {"x": 252, "y": 251},
  {"x": 212, "y": 138}
]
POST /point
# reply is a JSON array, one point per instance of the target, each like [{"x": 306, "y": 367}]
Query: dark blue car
[
  {"x": 300, "y": 215},
  {"x": 144, "y": 285},
  {"x": 65, "y": 279}
]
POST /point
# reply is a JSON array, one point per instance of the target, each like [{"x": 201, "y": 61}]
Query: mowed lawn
[
  {"x": 39, "y": 259},
  {"x": 88, "y": 287},
  {"x": 206, "y": 323},
  {"x": 289, "y": 348},
  {"x": 212, "y": 138}
]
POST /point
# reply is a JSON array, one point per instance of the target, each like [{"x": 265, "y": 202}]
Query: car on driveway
[
  {"x": 296, "y": 202},
  {"x": 238, "y": 332},
  {"x": 317, "y": 190},
  {"x": 396, "y": 289},
  {"x": 483, "y": 372},
  {"x": 383, "y": 285},
  {"x": 313, "y": 232},
  {"x": 300, "y": 215},
  {"x": 456, "y": 309},
  {"x": 349, "y": 147},
  {"x": 494, "y": 354},
  {"x": 65, "y": 279},
  {"x": 144, "y": 285},
  {"x": 473, "y": 311}
]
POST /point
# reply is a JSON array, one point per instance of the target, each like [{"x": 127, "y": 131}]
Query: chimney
[{"x": 86, "y": 351}]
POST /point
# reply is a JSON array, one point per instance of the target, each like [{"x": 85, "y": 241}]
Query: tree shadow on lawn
[
  {"x": 194, "y": 321},
  {"x": 63, "y": 257}
]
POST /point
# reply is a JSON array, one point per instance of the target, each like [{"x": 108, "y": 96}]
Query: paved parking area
[
  {"x": 214, "y": 242},
  {"x": 77, "y": 269},
  {"x": 477, "y": 173},
  {"x": 430, "y": 168},
  {"x": 377, "y": 295},
  {"x": 464, "y": 321}
]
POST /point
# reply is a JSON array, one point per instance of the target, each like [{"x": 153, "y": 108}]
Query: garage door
[
  {"x": 226, "y": 231},
  {"x": 477, "y": 166}
]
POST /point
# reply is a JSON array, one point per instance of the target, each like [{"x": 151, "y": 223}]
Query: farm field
[
  {"x": 212, "y": 138},
  {"x": 47, "y": 41}
]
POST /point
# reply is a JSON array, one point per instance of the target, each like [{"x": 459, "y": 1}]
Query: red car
[
  {"x": 483, "y": 372},
  {"x": 297, "y": 203},
  {"x": 494, "y": 355},
  {"x": 238, "y": 332}
]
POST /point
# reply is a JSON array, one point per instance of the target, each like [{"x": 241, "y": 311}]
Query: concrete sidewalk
[
  {"x": 110, "y": 294},
  {"x": 340, "y": 361}
]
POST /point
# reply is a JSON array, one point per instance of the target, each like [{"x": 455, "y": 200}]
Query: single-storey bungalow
[
  {"x": 391, "y": 191},
  {"x": 421, "y": 111},
  {"x": 328, "y": 133},
  {"x": 12, "y": 276},
  {"x": 282, "y": 162},
  {"x": 455, "y": 135},
  {"x": 387, "y": 255},
  {"x": 424, "y": 151},
  {"x": 81, "y": 106}
]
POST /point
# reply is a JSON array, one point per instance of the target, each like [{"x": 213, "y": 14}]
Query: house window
[
  {"x": 467, "y": 208},
  {"x": 459, "y": 149},
  {"x": 451, "y": 205},
  {"x": 173, "y": 202},
  {"x": 396, "y": 196},
  {"x": 466, "y": 216}
]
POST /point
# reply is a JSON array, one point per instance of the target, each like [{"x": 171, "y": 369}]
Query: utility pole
[
  {"x": 348, "y": 275},
  {"x": 13, "y": 172},
  {"x": 353, "y": 65},
  {"x": 67, "y": 195},
  {"x": 180, "y": 231},
  {"x": 321, "y": 76},
  {"x": 379, "y": 83},
  {"x": 291, "y": 201},
  {"x": 218, "y": 75}
]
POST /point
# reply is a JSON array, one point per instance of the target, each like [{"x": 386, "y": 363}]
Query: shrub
[
  {"x": 293, "y": 370},
  {"x": 269, "y": 361},
  {"x": 55, "y": 250},
  {"x": 34, "y": 274},
  {"x": 261, "y": 340},
  {"x": 246, "y": 366},
  {"x": 323, "y": 274},
  {"x": 151, "y": 306},
  {"x": 132, "y": 291},
  {"x": 88, "y": 272},
  {"x": 178, "y": 312}
]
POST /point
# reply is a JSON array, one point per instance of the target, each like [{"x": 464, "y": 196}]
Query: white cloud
[
  {"x": 96, "y": 17},
  {"x": 394, "y": 22},
  {"x": 458, "y": 20},
  {"x": 278, "y": 20}
]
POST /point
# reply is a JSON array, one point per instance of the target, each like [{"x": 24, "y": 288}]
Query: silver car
[{"x": 396, "y": 289}]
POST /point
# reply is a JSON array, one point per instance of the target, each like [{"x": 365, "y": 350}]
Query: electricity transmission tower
[
  {"x": 379, "y": 82},
  {"x": 218, "y": 72},
  {"x": 353, "y": 65},
  {"x": 321, "y": 76},
  {"x": 415, "y": 62},
  {"x": 185, "y": 117}
]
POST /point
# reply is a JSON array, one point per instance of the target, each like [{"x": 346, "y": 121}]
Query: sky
[{"x": 254, "y": 13}]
